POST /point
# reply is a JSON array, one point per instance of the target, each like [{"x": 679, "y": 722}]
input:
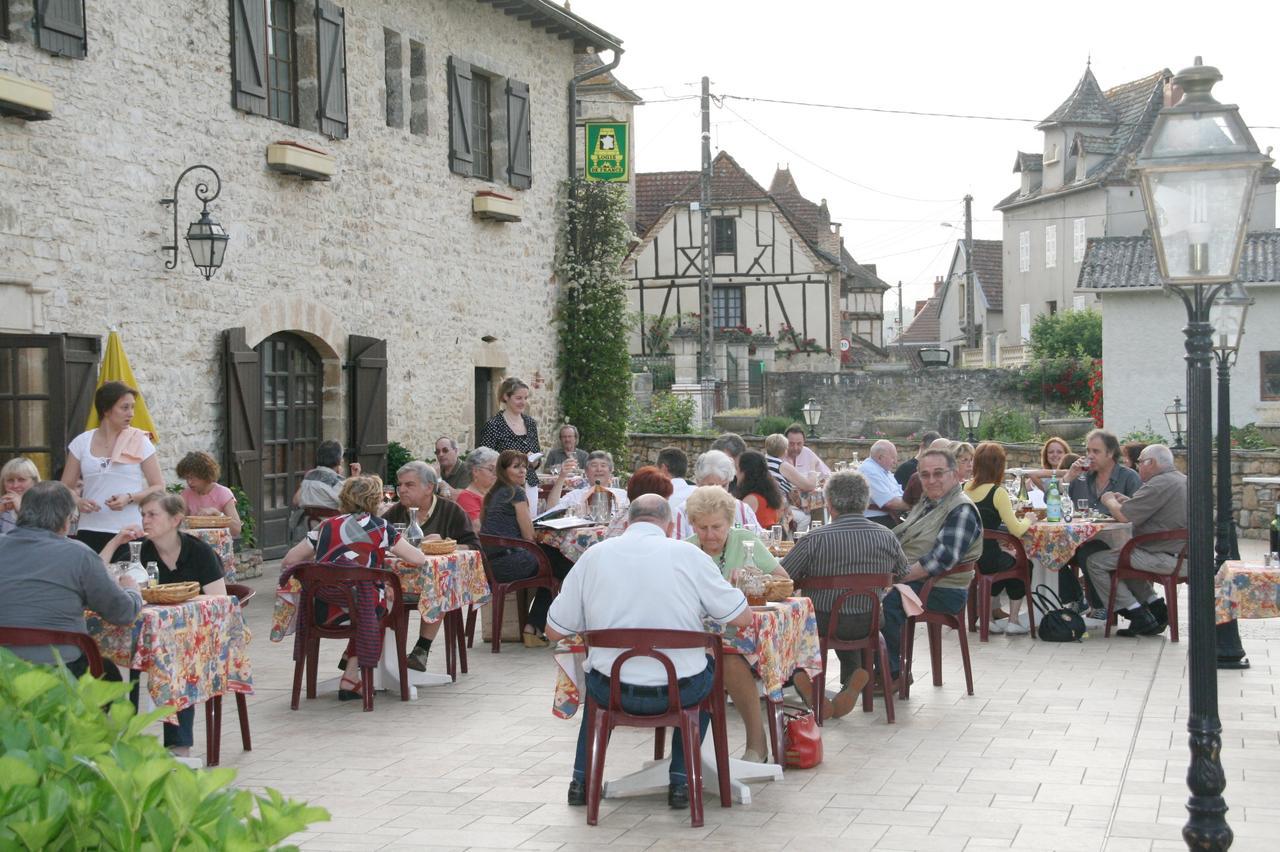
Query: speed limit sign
[{"x": 844, "y": 344}]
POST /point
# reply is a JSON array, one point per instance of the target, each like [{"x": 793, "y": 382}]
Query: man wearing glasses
[{"x": 454, "y": 475}]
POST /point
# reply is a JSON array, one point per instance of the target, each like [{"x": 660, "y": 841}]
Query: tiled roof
[
  {"x": 556, "y": 20},
  {"x": 812, "y": 221},
  {"x": 729, "y": 182},
  {"x": 1028, "y": 162},
  {"x": 584, "y": 62},
  {"x": 1129, "y": 263},
  {"x": 925, "y": 328},
  {"x": 1095, "y": 144},
  {"x": 654, "y": 193},
  {"x": 1086, "y": 105},
  {"x": 988, "y": 265}
]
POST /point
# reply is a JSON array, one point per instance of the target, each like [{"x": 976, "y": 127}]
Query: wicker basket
[
  {"x": 778, "y": 590},
  {"x": 207, "y": 522},
  {"x": 443, "y": 547},
  {"x": 170, "y": 593}
]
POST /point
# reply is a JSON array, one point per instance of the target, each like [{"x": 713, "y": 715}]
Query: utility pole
[
  {"x": 901, "y": 325},
  {"x": 971, "y": 327},
  {"x": 706, "y": 360}
]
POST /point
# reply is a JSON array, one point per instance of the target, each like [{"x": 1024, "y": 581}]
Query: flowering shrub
[
  {"x": 1061, "y": 380},
  {"x": 1095, "y": 388}
]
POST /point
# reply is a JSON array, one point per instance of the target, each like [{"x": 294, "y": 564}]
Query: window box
[
  {"x": 500, "y": 208},
  {"x": 292, "y": 158},
  {"x": 26, "y": 100}
]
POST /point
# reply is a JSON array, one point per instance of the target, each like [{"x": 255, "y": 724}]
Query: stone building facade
[{"x": 387, "y": 257}]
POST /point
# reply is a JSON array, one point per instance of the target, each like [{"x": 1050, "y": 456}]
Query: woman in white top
[{"x": 111, "y": 468}]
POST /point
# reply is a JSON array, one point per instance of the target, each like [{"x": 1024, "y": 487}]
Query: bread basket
[
  {"x": 778, "y": 590},
  {"x": 207, "y": 522},
  {"x": 170, "y": 593},
  {"x": 442, "y": 547}
]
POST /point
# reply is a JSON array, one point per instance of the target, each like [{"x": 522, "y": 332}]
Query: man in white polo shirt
[
  {"x": 886, "y": 494},
  {"x": 643, "y": 579}
]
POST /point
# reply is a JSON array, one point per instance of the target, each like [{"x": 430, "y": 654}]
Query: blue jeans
[
  {"x": 893, "y": 616},
  {"x": 648, "y": 701},
  {"x": 181, "y": 735}
]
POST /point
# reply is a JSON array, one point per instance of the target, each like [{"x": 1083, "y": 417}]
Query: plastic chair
[
  {"x": 935, "y": 621},
  {"x": 848, "y": 587},
  {"x": 326, "y": 576},
  {"x": 602, "y": 720},
  {"x": 979, "y": 604},
  {"x": 1126, "y": 571},
  {"x": 544, "y": 579},
  {"x": 316, "y": 515},
  {"x": 28, "y": 637}
]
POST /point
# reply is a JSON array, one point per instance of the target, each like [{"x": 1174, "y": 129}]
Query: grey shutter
[
  {"x": 242, "y": 386},
  {"x": 331, "y": 66},
  {"x": 73, "y": 362},
  {"x": 459, "y": 74},
  {"x": 249, "y": 56},
  {"x": 59, "y": 26},
  {"x": 367, "y": 369},
  {"x": 519, "y": 157}
]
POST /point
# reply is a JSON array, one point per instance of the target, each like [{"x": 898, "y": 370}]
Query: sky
[{"x": 893, "y": 180}]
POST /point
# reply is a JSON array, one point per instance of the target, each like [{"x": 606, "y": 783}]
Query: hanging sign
[{"x": 607, "y": 151}]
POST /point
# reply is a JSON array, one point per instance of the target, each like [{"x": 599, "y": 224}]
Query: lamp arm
[{"x": 202, "y": 194}]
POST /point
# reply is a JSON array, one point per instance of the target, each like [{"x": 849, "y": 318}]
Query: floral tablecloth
[
  {"x": 572, "y": 542},
  {"x": 780, "y": 640},
  {"x": 1247, "y": 591},
  {"x": 1052, "y": 545},
  {"x": 190, "y": 652},
  {"x": 442, "y": 584},
  {"x": 224, "y": 545}
]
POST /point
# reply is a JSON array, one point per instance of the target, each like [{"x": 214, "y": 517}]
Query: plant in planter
[
  {"x": 1075, "y": 425},
  {"x": 739, "y": 420}
]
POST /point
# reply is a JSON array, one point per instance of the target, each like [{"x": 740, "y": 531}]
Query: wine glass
[
  {"x": 1082, "y": 507},
  {"x": 775, "y": 533}
]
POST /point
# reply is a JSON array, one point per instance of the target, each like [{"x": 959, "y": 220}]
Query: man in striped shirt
[{"x": 849, "y": 544}]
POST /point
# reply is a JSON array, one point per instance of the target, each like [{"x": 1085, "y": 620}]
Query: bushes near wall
[
  {"x": 1064, "y": 381},
  {"x": 1067, "y": 334},
  {"x": 1006, "y": 426},
  {"x": 666, "y": 415}
]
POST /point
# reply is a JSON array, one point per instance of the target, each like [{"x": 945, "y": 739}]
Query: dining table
[
  {"x": 1246, "y": 589},
  {"x": 1050, "y": 545},
  {"x": 572, "y": 542}
]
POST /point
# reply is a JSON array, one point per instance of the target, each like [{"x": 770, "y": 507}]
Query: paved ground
[{"x": 1062, "y": 747}]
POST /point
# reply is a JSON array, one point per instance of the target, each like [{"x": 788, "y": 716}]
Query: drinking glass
[
  {"x": 400, "y": 528},
  {"x": 1082, "y": 507},
  {"x": 389, "y": 493},
  {"x": 776, "y": 533}
]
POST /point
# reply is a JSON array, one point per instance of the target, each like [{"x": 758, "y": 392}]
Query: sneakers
[
  {"x": 577, "y": 794},
  {"x": 1160, "y": 610},
  {"x": 417, "y": 659},
  {"x": 1141, "y": 623},
  {"x": 999, "y": 625},
  {"x": 1013, "y": 628},
  {"x": 678, "y": 796}
]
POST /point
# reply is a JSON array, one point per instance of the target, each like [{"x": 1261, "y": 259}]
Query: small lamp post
[
  {"x": 206, "y": 239},
  {"x": 812, "y": 412},
  {"x": 1175, "y": 417},
  {"x": 1198, "y": 172},
  {"x": 970, "y": 417}
]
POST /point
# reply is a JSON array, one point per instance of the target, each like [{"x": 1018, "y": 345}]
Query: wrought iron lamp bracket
[{"x": 202, "y": 194}]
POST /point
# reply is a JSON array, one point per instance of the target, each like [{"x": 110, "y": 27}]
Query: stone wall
[{"x": 852, "y": 400}]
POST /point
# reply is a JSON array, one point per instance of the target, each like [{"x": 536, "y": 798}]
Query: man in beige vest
[{"x": 941, "y": 531}]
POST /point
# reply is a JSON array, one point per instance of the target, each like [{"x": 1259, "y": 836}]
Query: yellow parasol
[{"x": 115, "y": 368}]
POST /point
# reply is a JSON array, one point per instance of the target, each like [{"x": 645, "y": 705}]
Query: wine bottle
[{"x": 1275, "y": 530}]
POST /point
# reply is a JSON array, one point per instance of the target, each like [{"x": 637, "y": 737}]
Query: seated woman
[
  {"x": 181, "y": 558},
  {"x": 483, "y": 464},
  {"x": 756, "y": 487},
  {"x": 1053, "y": 462},
  {"x": 646, "y": 480},
  {"x": 1129, "y": 453},
  {"x": 996, "y": 509},
  {"x": 204, "y": 495},
  {"x": 16, "y": 477},
  {"x": 711, "y": 511},
  {"x": 963, "y": 451},
  {"x": 359, "y": 501},
  {"x": 784, "y": 472},
  {"x": 599, "y": 471}
]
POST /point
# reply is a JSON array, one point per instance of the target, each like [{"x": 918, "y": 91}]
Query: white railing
[
  {"x": 1015, "y": 356},
  {"x": 972, "y": 358}
]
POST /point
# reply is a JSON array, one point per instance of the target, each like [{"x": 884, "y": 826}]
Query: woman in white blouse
[{"x": 111, "y": 468}]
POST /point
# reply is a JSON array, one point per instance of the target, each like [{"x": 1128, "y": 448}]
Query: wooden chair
[
  {"x": 1126, "y": 571},
  {"x": 848, "y": 587},
  {"x": 979, "y": 604},
  {"x": 317, "y": 577},
  {"x": 602, "y": 720},
  {"x": 28, "y": 637},
  {"x": 935, "y": 621},
  {"x": 544, "y": 579}
]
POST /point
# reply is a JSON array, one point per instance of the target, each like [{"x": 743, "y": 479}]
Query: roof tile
[{"x": 1129, "y": 263}]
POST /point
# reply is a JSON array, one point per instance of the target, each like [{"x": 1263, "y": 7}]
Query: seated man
[
  {"x": 849, "y": 544},
  {"x": 674, "y": 463},
  {"x": 49, "y": 580},
  {"x": 731, "y": 444},
  {"x": 454, "y": 474},
  {"x": 940, "y": 532},
  {"x": 1159, "y": 505},
  {"x": 716, "y": 468},
  {"x": 439, "y": 518},
  {"x": 908, "y": 467},
  {"x": 599, "y": 471},
  {"x": 644, "y": 579},
  {"x": 567, "y": 449},
  {"x": 805, "y": 460},
  {"x": 886, "y": 494},
  {"x": 321, "y": 484}
]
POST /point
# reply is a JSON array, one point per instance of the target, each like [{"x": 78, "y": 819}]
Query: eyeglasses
[{"x": 1144, "y": 460}]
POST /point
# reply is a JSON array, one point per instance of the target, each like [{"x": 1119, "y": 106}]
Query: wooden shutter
[
  {"x": 59, "y": 26},
  {"x": 242, "y": 386},
  {"x": 367, "y": 426},
  {"x": 331, "y": 65},
  {"x": 73, "y": 367},
  {"x": 519, "y": 137},
  {"x": 459, "y": 74},
  {"x": 249, "y": 56}
]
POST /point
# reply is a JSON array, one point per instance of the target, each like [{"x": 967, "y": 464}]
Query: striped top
[
  {"x": 775, "y": 468},
  {"x": 850, "y": 544}
]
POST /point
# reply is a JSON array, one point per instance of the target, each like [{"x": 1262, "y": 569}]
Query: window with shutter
[
  {"x": 249, "y": 56},
  {"x": 368, "y": 422},
  {"x": 1078, "y": 240},
  {"x": 1050, "y": 246},
  {"x": 242, "y": 406},
  {"x": 1024, "y": 251},
  {"x": 458, "y": 72},
  {"x": 331, "y": 66},
  {"x": 481, "y": 135},
  {"x": 59, "y": 26},
  {"x": 1024, "y": 322},
  {"x": 282, "y": 65},
  {"x": 519, "y": 137}
]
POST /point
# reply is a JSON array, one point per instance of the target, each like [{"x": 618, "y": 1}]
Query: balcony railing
[{"x": 1015, "y": 356}]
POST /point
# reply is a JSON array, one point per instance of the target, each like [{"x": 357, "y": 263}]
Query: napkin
[
  {"x": 130, "y": 446},
  {"x": 910, "y": 600}
]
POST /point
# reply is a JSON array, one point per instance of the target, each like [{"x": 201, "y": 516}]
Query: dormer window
[{"x": 1051, "y": 154}]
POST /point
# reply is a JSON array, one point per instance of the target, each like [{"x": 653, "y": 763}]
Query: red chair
[
  {"x": 935, "y": 621},
  {"x": 316, "y": 515},
  {"x": 848, "y": 587},
  {"x": 27, "y": 637},
  {"x": 979, "y": 603},
  {"x": 602, "y": 720},
  {"x": 544, "y": 579},
  {"x": 1126, "y": 571},
  {"x": 316, "y": 577}
]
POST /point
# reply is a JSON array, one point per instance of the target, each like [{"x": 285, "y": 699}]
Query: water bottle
[
  {"x": 1052, "y": 502},
  {"x": 153, "y": 574},
  {"x": 413, "y": 533}
]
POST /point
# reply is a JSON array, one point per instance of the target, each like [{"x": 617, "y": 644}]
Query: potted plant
[
  {"x": 1073, "y": 427},
  {"x": 739, "y": 420},
  {"x": 897, "y": 426}
]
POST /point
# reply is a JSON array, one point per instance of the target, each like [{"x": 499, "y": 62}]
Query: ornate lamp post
[
  {"x": 1175, "y": 417},
  {"x": 970, "y": 417},
  {"x": 1198, "y": 172},
  {"x": 812, "y": 411}
]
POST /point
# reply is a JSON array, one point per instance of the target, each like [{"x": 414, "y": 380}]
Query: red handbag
[{"x": 801, "y": 740}]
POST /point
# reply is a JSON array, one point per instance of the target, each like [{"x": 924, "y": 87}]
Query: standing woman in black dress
[{"x": 512, "y": 429}]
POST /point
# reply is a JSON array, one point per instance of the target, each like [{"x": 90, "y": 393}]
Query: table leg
[
  {"x": 1230, "y": 650},
  {"x": 385, "y": 675},
  {"x": 655, "y": 777}
]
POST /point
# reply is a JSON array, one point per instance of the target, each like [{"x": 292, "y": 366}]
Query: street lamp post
[
  {"x": 1198, "y": 172},
  {"x": 812, "y": 411},
  {"x": 1175, "y": 417},
  {"x": 970, "y": 417}
]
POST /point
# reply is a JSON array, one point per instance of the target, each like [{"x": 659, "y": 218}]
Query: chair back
[
  {"x": 1014, "y": 543},
  {"x": 242, "y": 592},
  {"x": 848, "y": 587},
  {"x": 29, "y": 637},
  {"x": 333, "y": 582},
  {"x": 316, "y": 515},
  {"x": 497, "y": 542},
  {"x": 927, "y": 589},
  {"x": 639, "y": 642},
  {"x": 1152, "y": 538}
]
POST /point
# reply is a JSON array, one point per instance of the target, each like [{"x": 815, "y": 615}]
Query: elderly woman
[
  {"x": 599, "y": 471},
  {"x": 482, "y": 463},
  {"x": 715, "y": 467},
  {"x": 16, "y": 477},
  {"x": 963, "y": 451},
  {"x": 568, "y": 449},
  {"x": 711, "y": 510},
  {"x": 646, "y": 480},
  {"x": 204, "y": 495},
  {"x": 359, "y": 501}
]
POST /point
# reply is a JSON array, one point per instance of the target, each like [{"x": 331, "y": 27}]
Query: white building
[{"x": 987, "y": 304}]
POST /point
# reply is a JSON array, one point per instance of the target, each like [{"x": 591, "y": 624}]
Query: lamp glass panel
[
  {"x": 1200, "y": 216},
  {"x": 1192, "y": 134}
]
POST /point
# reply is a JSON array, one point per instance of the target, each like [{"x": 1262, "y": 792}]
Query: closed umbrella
[{"x": 115, "y": 368}]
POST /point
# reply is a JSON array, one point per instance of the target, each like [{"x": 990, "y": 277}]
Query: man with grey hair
[
  {"x": 907, "y": 468},
  {"x": 643, "y": 579},
  {"x": 455, "y": 475},
  {"x": 849, "y": 544},
  {"x": 1159, "y": 505},
  {"x": 50, "y": 580},
  {"x": 886, "y": 494},
  {"x": 439, "y": 518},
  {"x": 731, "y": 444},
  {"x": 714, "y": 467}
]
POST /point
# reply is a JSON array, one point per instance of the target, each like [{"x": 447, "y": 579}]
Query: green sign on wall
[{"x": 608, "y": 154}]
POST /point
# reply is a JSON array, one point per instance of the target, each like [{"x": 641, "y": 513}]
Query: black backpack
[{"x": 1057, "y": 623}]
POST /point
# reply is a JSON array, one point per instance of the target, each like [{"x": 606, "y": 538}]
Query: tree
[
  {"x": 596, "y": 391},
  {"x": 1070, "y": 334}
]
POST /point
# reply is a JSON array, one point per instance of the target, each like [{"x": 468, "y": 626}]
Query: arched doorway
[{"x": 292, "y": 389}]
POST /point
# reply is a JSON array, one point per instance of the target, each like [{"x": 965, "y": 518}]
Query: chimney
[
  {"x": 1172, "y": 92},
  {"x": 920, "y": 303},
  {"x": 937, "y": 285}
]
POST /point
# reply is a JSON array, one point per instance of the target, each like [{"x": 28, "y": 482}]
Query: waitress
[
  {"x": 513, "y": 429},
  {"x": 111, "y": 468}
]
